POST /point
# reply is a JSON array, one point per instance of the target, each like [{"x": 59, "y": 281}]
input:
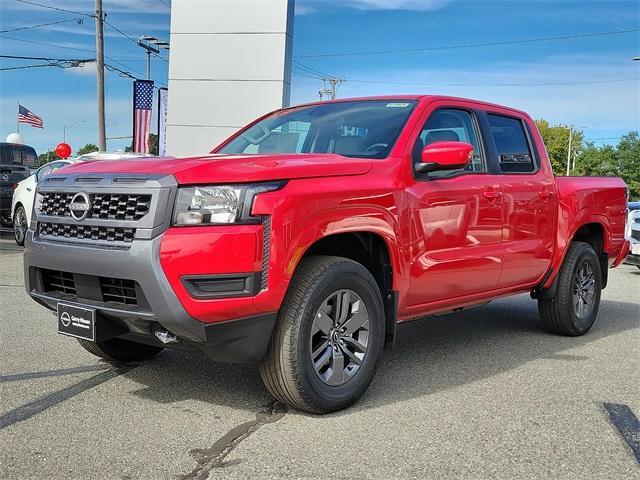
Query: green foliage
[
  {"x": 153, "y": 145},
  {"x": 46, "y": 157},
  {"x": 622, "y": 161},
  {"x": 556, "y": 139},
  {"x": 88, "y": 148}
]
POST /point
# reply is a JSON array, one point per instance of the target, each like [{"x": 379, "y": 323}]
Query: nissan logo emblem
[{"x": 80, "y": 206}]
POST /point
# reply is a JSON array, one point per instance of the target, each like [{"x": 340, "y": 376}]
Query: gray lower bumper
[
  {"x": 139, "y": 263},
  {"x": 238, "y": 340}
]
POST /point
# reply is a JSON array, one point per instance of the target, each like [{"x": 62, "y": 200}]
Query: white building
[{"x": 230, "y": 62}]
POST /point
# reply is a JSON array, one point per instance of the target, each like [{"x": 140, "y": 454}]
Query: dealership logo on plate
[
  {"x": 65, "y": 319},
  {"x": 80, "y": 206}
]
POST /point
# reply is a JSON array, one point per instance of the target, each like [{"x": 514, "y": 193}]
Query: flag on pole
[
  {"x": 27, "y": 116},
  {"x": 162, "y": 121},
  {"x": 142, "y": 103}
]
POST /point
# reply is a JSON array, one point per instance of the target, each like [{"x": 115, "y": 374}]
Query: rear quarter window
[{"x": 512, "y": 144}]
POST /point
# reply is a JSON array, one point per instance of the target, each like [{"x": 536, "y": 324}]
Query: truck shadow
[{"x": 430, "y": 355}]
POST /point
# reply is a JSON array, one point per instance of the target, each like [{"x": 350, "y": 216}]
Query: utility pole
[
  {"x": 569, "y": 151},
  {"x": 102, "y": 135},
  {"x": 151, "y": 45},
  {"x": 330, "y": 92}
]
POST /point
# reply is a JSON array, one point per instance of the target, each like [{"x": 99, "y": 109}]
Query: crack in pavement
[{"x": 209, "y": 458}]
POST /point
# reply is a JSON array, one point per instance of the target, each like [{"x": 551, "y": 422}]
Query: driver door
[{"x": 456, "y": 218}]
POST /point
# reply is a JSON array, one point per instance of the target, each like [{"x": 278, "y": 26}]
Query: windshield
[{"x": 365, "y": 129}]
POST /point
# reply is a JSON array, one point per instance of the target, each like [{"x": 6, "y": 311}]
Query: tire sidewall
[
  {"x": 327, "y": 397},
  {"x": 582, "y": 325},
  {"x": 15, "y": 216}
]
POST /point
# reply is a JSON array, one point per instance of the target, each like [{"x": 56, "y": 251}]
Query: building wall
[{"x": 230, "y": 62}]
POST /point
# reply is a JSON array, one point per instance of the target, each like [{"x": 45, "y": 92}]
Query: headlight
[{"x": 218, "y": 204}]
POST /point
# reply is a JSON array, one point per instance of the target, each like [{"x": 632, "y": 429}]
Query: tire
[
  {"x": 560, "y": 314},
  {"x": 20, "y": 225},
  {"x": 287, "y": 369},
  {"x": 117, "y": 350}
]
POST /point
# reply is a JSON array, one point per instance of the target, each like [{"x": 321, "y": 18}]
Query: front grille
[
  {"x": 104, "y": 206},
  {"x": 118, "y": 290},
  {"x": 635, "y": 234},
  {"x": 88, "y": 232},
  {"x": 54, "y": 281},
  {"x": 92, "y": 288}
]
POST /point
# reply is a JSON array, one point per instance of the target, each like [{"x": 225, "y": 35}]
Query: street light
[
  {"x": 151, "y": 45},
  {"x": 64, "y": 129}
]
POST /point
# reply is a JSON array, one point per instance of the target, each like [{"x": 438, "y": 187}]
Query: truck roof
[{"x": 414, "y": 97}]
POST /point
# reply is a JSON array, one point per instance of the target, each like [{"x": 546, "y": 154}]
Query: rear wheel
[
  {"x": 328, "y": 338},
  {"x": 574, "y": 309},
  {"x": 117, "y": 350},
  {"x": 20, "y": 225}
]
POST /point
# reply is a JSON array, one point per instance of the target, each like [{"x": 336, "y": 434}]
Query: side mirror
[{"x": 445, "y": 156}]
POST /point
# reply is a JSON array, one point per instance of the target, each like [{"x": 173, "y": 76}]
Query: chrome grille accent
[
  {"x": 89, "y": 232},
  {"x": 104, "y": 206}
]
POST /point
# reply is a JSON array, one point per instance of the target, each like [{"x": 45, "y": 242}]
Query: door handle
[
  {"x": 492, "y": 195},
  {"x": 545, "y": 194}
]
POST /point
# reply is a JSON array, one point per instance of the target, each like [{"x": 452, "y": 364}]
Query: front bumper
[{"x": 238, "y": 336}]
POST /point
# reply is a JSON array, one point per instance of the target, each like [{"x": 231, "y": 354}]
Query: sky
[{"x": 589, "y": 82}]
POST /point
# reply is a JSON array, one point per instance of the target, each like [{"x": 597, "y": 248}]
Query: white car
[
  {"x": 633, "y": 234},
  {"x": 25, "y": 191}
]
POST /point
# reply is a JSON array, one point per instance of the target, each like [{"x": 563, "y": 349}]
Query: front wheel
[
  {"x": 574, "y": 309},
  {"x": 20, "y": 225},
  {"x": 329, "y": 335}
]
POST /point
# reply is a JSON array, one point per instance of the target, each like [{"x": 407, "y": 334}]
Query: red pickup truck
[{"x": 302, "y": 241}]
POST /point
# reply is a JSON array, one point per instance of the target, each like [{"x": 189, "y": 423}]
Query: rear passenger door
[{"x": 529, "y": 200}]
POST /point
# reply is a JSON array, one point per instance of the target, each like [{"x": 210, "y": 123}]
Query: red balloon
[{"x": 63, "y": 150}]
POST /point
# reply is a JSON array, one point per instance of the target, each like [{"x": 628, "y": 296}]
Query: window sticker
[{"x": 397, "y": 105}]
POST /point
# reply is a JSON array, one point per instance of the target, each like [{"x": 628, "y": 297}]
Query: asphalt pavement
[{"x": 480, "y": 394}]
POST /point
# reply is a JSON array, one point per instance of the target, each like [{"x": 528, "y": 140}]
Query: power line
[
  {"x": 47, "y": 44},
  {"x": 308, "y": 69},
  {"x": 26, "y": 66},
  {"x": 165, "y": 3},
  {"x": 55, "y": 8},
  {"x": 78, "y": 20},
  {"x": 21, "y": 57},
  {"x": 614, "y": 80},
  {"x": 469, "y": 45},
  {"x": 130, "y": 38}
]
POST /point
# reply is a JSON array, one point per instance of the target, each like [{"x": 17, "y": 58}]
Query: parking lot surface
[{"x": 481, "y": 394}]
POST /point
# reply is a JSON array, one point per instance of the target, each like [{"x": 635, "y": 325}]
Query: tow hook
[{"x": 166, "y": 337}]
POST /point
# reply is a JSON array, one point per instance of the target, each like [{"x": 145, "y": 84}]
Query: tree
[
  {"x": 46, "y": 157},
  {"x": 88, "y": 148},
  {"x": 153, "y": 145},
  {"x": 556, "y": 139},
  {"x": 621, "y": 161}
]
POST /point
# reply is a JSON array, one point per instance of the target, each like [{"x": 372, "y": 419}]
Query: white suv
[{"x": 633, "y": 234}]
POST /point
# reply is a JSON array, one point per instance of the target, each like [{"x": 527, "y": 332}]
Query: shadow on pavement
[{"x": 430, "y": 355}]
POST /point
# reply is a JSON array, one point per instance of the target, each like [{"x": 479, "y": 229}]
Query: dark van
[{"x": 16, "y": 162}]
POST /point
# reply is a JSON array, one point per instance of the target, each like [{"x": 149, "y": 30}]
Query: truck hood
[{"x": 219, "y": 168}]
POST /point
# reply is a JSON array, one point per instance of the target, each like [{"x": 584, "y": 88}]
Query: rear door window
[
  {"x": 16, "y": 155},
  {"x": 29, "y": 157},
  {"x": 512, "y": 144}
]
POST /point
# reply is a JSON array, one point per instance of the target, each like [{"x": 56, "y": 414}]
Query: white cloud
[{"x": 306, "y": 7}]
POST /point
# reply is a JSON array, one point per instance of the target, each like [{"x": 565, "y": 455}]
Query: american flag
[
  {"x": 27, "y": 116},
  {"x": 142, "y": 101}
]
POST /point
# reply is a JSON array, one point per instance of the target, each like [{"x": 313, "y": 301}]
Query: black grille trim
[
  {"x": 87, "y": 232},
  {"x": 104, "y": 206},
  {"x": 54, "y": 281},
  {"x": 118, "y": 290},
  {"x": 266, "y": 250}
]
